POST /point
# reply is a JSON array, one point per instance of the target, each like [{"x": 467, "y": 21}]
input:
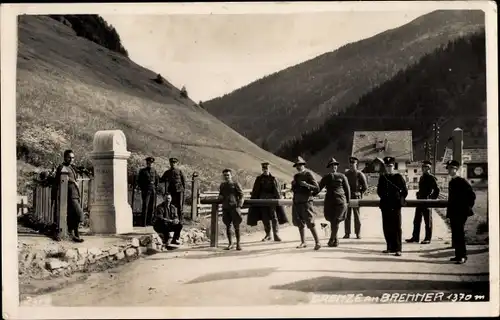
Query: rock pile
[{"x": 193, "y": 236}]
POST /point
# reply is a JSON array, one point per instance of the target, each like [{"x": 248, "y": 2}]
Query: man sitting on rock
[{"x": 166, "y": 220}]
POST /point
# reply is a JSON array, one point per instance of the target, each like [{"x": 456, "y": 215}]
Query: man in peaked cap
[
  {"x": 392, "y": 191},
  {"x": 303, "y": 187},
  {"x": 147, "y": 181},
  {"x": 336, "y": 199},
  {"x": 266, "y": 186},
  {"x": 461, "y": 200},
  {"x": 175, "y": 184},
  {"x": 232, "y": 198},
  {"x": 358, "y": 186},
  {"x": 427, "y": 189}
]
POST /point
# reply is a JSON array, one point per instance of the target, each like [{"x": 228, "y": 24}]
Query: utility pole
[{"x": 435, "y": 128}]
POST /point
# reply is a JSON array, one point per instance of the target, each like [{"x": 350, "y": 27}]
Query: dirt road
[{"x": 277, "y": 273}]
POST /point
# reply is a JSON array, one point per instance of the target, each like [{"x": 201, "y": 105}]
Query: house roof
[
  {"x": 469, "y": 155},
  {"x": 370, "y": 144}
]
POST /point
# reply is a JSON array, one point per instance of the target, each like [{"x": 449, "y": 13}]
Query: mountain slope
[
  {"x": 69, "y": 87},
  {"x": 285, "y": 104},
  {"x": 447, "y": 86}
]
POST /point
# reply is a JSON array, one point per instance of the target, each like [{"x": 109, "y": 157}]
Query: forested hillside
[{"x": 447, "y": 86}]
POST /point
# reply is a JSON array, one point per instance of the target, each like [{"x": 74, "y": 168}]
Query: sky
[{"x": 214, "y": 54}]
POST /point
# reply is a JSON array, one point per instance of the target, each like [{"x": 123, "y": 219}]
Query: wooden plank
[
  {"x": 90, "y": 194},
  {"x": 214, "y": 226},
  {"x": 194, "y": 196},
  {"x": 62, "y": 203}
]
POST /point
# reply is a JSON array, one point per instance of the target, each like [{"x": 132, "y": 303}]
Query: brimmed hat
[
  {"x": 150, "y": 159},
  {"x": 299, "y": 161},
  {"x": 452, "y": 163},
  {"x": 426, "y": 163},
  {"x": 173, "y": 160},
  {"x": 332, "y": 162},
  {"x": 389, "y": 160},
  {"x": 353, "y": 159},
  {"x": 264, "y": 164}
]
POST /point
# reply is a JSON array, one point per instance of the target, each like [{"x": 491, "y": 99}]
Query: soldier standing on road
[
  {"x": 392, "y": 190},
  {"x": 336, "y": 199},
  {"x": 427, "y": 189},
  {"x": 232, "y": 197},
  {"x": 175, "y": 184},
  {"x": 267, "y": 187},
  {"x": 358, "y": 186},
  {"x": 461, "y": 200},
  {"x": 303, "y": 187},
  {"x": 147, "y": 181},
  {"x": 75, "y": 213},
  {"x": 166, "y": 220}
]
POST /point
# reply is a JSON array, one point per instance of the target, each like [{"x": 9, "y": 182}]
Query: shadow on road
[
  {"x": 387, "y": 258},
  {"x": 477, "y": 274},
  {"x": 232, "y": 275},
  {"x": 451, "y": 253}
]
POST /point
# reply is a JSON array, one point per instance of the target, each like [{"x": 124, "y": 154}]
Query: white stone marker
[{"x": 110, "y": 212}]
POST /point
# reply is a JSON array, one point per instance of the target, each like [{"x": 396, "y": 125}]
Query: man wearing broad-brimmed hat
[
  {"x": 392, "y": 190},
  {"x": 358, "y": 186},
  {"x": 427, "y": 189},
  {"x": 175, "y": 184},
  {"x": 303, "y": 187},
  {"x": 147, "y": 182},
  {"x": 461, "y": 200},
  {"x": 336, "y": 199},
  {"x": 266, "y": 186}
]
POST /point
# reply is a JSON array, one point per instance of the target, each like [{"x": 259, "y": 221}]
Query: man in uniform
[
  {"x": 75, "y": 213},
  {"x": 427, "y": 189},
  {"x": 232, "y": 197},
  {"x": 358, "y": 186},
  {"x": 175, "y": 184},
  {"x": 303, "y": 187},
  {"x": 267, "y": 187},
  {"x": 166, "y": 220},
  {"x": 336, "y": 199},
  {"x": 147, "y": 181},
  {"x": 392, "y": 190},
  {"x": 461, "y": 200}
]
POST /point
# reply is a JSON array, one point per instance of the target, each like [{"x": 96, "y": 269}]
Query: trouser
[
  {"x": 165, "y": 228},
  {"x": 426, "y": 213},
  {"x": 458, "y": 236},
  {"x": 269, "y": 220},
  {"x": 391, "y": 225},
  {"x": 148, "y": 203},
  {"x": 178, "y": 202},
  {"x": 357, "y": 221},
  {"x": 75, "y": 216}
]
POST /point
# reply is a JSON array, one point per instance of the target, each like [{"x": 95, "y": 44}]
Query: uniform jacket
[
  {"x": 427, "y": 187},
  {"x": 147, "y": 179},
  {"x": 165, "y": 213},
  {"x": 231, "y": 195},
  {"x": 461, "y": 198},
  {"x": 265, "y": 187},
  {"x": 174, "y": 179},
  {"x": 392, "y": 190},
  {"x": 73, "y": 189},
  {"x": 357, "y": 183},
  {"x": 338, "y": 195},
  {"x": 304, "y": 186}
]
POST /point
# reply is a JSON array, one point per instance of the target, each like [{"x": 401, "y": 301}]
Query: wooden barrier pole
[
  {"x": 194, "y": 196},
  {"x": 214, "y": 226},
  {"x": 62, "y": 204}
]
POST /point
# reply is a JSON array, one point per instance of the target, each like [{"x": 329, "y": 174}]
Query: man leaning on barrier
[
  {"x": 232, "y": 197},
  {"x": 166, "y": 219}
]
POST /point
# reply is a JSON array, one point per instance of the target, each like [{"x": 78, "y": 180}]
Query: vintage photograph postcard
[{"x": 228, "y": 160}]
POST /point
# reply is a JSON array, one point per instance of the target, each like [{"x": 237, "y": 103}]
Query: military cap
[
  {"x": 389, "y": 160},
  {"x": 353, "y": 159},
  {"x": 150, "y": 159},
  {"x": 332, "y": 162},
  {"x": 173, "y": 160},
  {"x": 452, "y": 163},
  {"x": 299, "y": 161},
  {"x": 264, "y": 164},
  {"x": 426, "y": 163},
  {"x": 227, "y": 170}
]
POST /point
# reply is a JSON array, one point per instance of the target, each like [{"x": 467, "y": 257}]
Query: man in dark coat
[
  {"x": 392, "y": 190},
  {"x": 147, "y": 181},
  {"x": 303, "y": 187},
  {"x": 232, "y": 198},
  {"x": 75, "y": 213},
  {"x": 358, "y": 186},
  {"x": 175, "y": 184},
  {"x": 461, "y": 200},
  {"x": 166, "y": 220},
  {"x": 267, "y": 187},
  {"x": 336, "y": 199},
  {"x": 427, "y": 189}
]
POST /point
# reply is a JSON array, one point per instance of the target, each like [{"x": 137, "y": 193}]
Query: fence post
[
  {"x": 62, "y": 203},
  {"x": 458, "y": 145},
  {"x": 194, "y": 196},
  {"x": 90, "y": 196},
  {"x": 214, "y": 226}
]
